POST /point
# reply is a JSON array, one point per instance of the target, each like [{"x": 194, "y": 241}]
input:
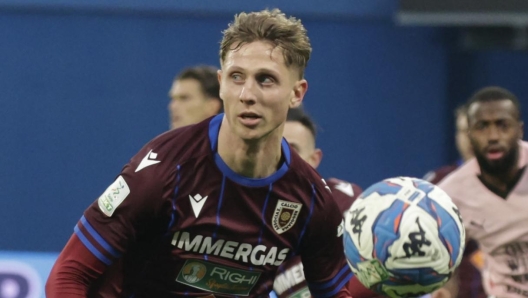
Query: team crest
[{"x": 285, "y": 215}]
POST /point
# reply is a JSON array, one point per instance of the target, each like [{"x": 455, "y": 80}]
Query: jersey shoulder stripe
[{"x": 94, "y": 242}]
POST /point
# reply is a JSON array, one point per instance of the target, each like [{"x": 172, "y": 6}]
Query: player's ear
[
  {"x": 219, "y": 75},
  {"x": 299, "y": 90},
  {"x": 316, "y": 157}
]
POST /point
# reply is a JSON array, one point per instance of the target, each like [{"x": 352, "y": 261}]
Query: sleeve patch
[{"x": 113, "y": 196}]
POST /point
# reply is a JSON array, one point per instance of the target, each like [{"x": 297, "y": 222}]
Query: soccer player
[
  {"x": 300, "y": 132},
  {"x": 215, "y": 208},
  {"x": 491, "y": 190},
  {"x": 194, "y": 96},
  {"x": 470, "y": 277}
]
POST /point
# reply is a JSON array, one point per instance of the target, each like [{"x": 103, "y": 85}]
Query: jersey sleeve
[
  {"x": 130, "y": 208},
  {"x": 126, "y": 211},
  {"x": 73, "y": 272},
  {"x": 322, "y": 253}
]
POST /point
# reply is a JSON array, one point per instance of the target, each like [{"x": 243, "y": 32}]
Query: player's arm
[
  {"x": 322, "y": 254},
  {"x": 107, "y": 228},
  {"x": 74, "y": 271}
]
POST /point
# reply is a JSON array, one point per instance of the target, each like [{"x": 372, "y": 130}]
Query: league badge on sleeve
[
  {"x": 113, "y": 196},
  {"x": 285, "y": 215}
]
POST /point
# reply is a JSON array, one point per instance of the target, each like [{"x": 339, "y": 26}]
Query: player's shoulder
[
  {"x": 348, "y": 188},
  {"x": 304, "y": 174},
  {"x": 187, "y": 138},
  {"x": 461, "y": 179},
  {"x": 344, "y": 192},
  {"x": 172, "y": 148}
]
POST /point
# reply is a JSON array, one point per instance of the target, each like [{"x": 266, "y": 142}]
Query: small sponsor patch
[
  {"x": 285, "y": 215},
  {"x": 217, "y": 278},
  {"x": 113, "y": 196}
]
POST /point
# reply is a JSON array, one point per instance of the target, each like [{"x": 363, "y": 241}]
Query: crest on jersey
[{"x": 285, "y": 215}]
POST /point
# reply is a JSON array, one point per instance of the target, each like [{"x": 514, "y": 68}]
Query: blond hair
[{"x": 286, "y": 33}]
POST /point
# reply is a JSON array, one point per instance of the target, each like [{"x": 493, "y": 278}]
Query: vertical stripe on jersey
[
  {"x": 220, "y": 200},
  {"x": 263, "y": 214},
  {"x": 263, "y": 217},
  {"x": 308, "y": 218},
  {"x": 174, "y": 196}
]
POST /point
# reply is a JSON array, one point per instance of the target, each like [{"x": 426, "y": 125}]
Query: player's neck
[
  {"x": 504, "y": 181},
  {"x": 255, "y": 159}
]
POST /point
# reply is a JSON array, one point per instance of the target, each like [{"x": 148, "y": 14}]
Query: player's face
[
  {"x": 494, "y": 132},
  {"x": 462, "y": 140},
  {"x": 302, "y": 141},
  {"x": 188, "y": 104},
  {"x": 258, "y": 89}
]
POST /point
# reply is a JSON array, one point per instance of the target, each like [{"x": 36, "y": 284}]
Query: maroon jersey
[
  {"x": 179, "y": 222},
  {"x": 290, "y": 281}
]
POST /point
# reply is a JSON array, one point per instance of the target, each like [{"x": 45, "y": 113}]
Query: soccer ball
[{"x": 403, "y": 237}]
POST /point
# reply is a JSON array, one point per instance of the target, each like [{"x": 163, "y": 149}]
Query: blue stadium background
[{"x": 83, "y": 85}]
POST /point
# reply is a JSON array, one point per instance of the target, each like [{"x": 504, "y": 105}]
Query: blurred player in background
[
  {"x": 463, "y": 147},
  {"x": 469, "y": 269},
  {"x": 491, "y": 190},
  {"x": 300, "y": 132},
  {"x": 215, "y": 208},
  {"x": 194, "y": 96}
]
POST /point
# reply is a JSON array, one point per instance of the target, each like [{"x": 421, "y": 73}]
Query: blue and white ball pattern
[{"x": 403, "y": 237}]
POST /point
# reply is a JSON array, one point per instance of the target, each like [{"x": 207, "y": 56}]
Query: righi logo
[
  {"x": 259, "y": 255},
  {"x": 19, "y": 280},
  {"x": 217, "y": 278}
]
